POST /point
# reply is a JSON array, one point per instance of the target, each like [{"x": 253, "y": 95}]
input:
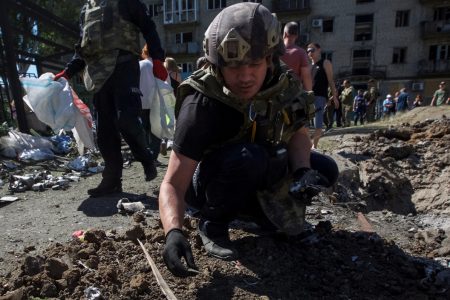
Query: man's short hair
[{"x": 291, "y": 28}]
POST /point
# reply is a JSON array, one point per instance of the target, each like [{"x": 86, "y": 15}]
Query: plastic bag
[
  {"x": 16, "y": 142},
  {"x": 162, "y": 116},
  {"x": 83, "y": 125},
  {"x": 51, "y": 101}
]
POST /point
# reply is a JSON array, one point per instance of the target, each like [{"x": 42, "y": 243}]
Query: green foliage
[{"x": 68, "y": 10}]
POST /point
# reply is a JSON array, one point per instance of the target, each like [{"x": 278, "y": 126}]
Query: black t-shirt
[{"x": 204, "y": 122}]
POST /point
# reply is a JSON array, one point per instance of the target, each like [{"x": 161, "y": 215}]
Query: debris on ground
[{"x": 383, "y": 232}]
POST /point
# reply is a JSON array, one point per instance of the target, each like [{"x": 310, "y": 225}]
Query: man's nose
[{"x": 244, "y": 72}]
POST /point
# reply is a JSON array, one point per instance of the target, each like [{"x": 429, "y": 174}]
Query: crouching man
[{"x": 240, "y": 144}]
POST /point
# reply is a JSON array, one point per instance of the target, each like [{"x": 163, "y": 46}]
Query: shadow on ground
[{"x": 107, "y": 206}]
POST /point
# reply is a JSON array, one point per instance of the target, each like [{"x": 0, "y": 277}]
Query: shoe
[
  {"x": 106, "y": 187},
  {"x": 150, "y": 171},
  {"x": 216, "y": 241}
]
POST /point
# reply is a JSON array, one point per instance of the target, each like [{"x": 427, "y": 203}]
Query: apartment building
[{"x": 401, "y": 43}]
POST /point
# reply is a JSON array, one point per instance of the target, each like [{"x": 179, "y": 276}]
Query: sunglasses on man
[{"x": 310, "y": 50}]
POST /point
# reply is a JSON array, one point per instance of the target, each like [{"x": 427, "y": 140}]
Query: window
[
  {"x": 364, "y": 1},
  {"x": 361, "y": 61},
  {"x": 187, "y": 67},
  {"x": 180, "y": 11},
  {"x": 442, "y": 14},
  {"x": 402, "y": 18},
  {"x": 216, "y": 4},
  {"x": 327, "y": 55},
  {"x": 399, "y": 56},
  {"x": 327, "y": 25},
  {"x": 439, "y": 52},
  {"x": 363, "y": 27},
  {"x": 183, "y": 37},
  {"x": 154, "y": 9}
]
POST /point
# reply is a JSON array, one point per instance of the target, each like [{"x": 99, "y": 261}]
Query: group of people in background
[{"x": 365, "y": 106}]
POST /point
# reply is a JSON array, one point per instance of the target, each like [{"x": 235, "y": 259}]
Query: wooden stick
[{"x": 159, "y": 279}]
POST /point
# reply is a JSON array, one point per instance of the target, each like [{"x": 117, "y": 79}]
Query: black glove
[
  {"x": 177, "y": 246},
  {"x": 307, "y": 184}
]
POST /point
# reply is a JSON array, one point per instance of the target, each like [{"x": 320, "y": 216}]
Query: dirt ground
[{"x": 383, "y": 232}]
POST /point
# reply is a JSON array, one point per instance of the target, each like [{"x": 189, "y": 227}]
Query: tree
[{"x": 37, "y": 35}]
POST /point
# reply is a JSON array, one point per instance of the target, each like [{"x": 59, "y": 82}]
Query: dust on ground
[{"x": 383, "y": 232}]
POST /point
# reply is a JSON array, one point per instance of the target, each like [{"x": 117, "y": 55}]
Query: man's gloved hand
[
  {"x": 307, "y": 184},
  {"x": 159, "y": 70},
  {"x": 176, "y": 247},
  {"x": 61, "y": 74}
]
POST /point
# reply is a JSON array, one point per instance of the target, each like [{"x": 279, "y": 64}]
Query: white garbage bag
[
  {"x": 51, "y": 101},
  {"x": 162, "y": 116}
]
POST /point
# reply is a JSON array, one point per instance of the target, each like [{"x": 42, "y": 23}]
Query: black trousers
[
  {"x": 225, "y": 183},
  {"x": 118, "y": 106},
  {"x": 153, "y": 141}
]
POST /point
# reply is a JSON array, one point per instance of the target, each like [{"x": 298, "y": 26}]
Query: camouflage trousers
[
  {"x": 370, "y": 112},
  {"x": 347, "y": 114}
]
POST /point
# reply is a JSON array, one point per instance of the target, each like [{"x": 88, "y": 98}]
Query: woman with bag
[
  {"x": 175, "y": 80},
  {"x": 148, "y": 87}
]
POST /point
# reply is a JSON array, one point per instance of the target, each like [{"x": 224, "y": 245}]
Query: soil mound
[{"x": 383, "y": 232}]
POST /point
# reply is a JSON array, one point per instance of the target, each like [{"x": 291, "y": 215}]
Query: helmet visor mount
[{"x": 233, "y": 48}]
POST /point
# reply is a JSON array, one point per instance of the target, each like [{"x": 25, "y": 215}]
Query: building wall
[{"x": 385, "y": 37}]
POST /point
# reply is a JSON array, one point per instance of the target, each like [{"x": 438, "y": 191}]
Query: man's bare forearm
[{"x": 171, "y": 207}]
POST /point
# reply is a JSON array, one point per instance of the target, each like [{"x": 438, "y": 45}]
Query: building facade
[{"x": 400, "y": 43}]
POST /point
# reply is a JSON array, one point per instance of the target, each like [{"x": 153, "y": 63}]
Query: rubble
[{"x": 383, "y": 232}]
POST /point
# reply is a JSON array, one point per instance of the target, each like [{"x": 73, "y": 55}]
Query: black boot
[
  {"x": 216, "y": 240},
  {"x": 106, "y": 187},
  {"x": 150, "y": 171}
]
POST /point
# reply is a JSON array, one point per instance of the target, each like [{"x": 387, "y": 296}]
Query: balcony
[
  {"x": 184, "y": 48},
  {"x": 436, "y": 29},
  {"x": 291, "y": 6},
  {"x": 437, "y": 67},
  {"x": 183, "y": 17},
  {"x": 378, "y": 72},
  {"x": 430, "y": 2}
]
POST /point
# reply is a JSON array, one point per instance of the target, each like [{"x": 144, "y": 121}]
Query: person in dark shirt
[
  {"x": 322, "y": 74},
  {"x": 241, "y": 147},
  {"x": 108, "y": 54}
]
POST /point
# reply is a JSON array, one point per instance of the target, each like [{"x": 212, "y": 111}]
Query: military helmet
[{"x": 241, "y": 33}]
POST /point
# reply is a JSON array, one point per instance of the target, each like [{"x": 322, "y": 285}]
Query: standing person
[
  {"x": 108, "y": 52},
  {"x": 440, "y": 95},
  {"x": 328, "y": 115},
  {"x": 347, "y": 96},
  {"x": 295, "y": 57},
  {"x": 388, "y": 103},
  {"x": 418, "y": 101},
  {"x": 148, "y": 87},
  {"x": 402, "y": 101},
  {"x": 359, "y": 107},
  {"x": 371, "y": 100},
  {"x": 174, "y": 72},
  {"x": 175, "y": 79},
  {"x": 394, "y": 108},
  {"x": 322, "y": 71},
  {"x": 338, "y": 111},
  {"x": 240, "y": 132}
]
